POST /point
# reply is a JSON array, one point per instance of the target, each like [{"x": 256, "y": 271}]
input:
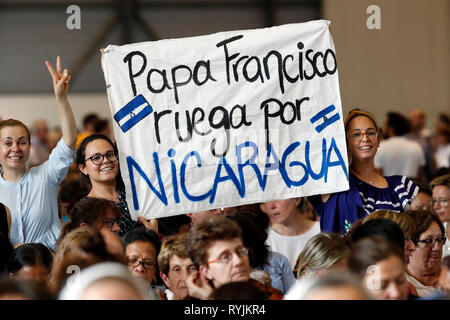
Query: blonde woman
[{"x": 323, "y": 253}]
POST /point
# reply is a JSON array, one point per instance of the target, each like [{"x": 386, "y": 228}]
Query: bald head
[{"x": 417, "y": 119}]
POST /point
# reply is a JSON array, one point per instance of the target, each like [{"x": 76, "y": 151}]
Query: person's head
[
  {"x": 175, "y": 265},
  {"x": 95, "y": 213},
  {"x": 82, "y": 248},
  {"x": 89, "y": 122},
  {"x": 422, "y": 201},
  {"x": 202, "y": 215},
  {"x": 404, "y": 221},
  {"x": 443, "y": 136},
  {"x": 14, "y": 144},
  {"x": 429, "y": 238},
  {"x": 215, "y": 246},
  {"x": 142, "y": 247},
  {"x": 40, "y": 130},
  {"x": 417, "y": 120},
  {"x": 332, "y": 286},
  {"x": 396, "y": 124},
  {"x": 102, "y": 126},
  {"x": 242, "y": 290},
  {"x": 168, "y": 226},
  {"x": 72, "y": 190},
  {"x": 15, "y": 289},
  {"x": 444, "y": 278},
  {"x": 440, "y": 187},
  {"x": 385, "y": 228},
  {"x": 103, "y": 281},
  {"x": 323, "y": 253},
  {"x": 253, "y": 237},
  {"x": 97, "y": 159},
  {"x": 279, "y": 211},
  {"x": 380, "y": 265},
  {"x": 31, "y": 261},
  {"x": 362, "y": 132}
]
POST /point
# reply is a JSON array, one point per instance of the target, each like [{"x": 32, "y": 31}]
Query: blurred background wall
[{"x": 403, "y": 65}]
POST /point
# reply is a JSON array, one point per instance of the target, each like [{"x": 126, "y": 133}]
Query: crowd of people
[{"x": 66, "y": 231}]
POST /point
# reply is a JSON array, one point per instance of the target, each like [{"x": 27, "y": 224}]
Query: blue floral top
[{"x": 343, "y": 208}]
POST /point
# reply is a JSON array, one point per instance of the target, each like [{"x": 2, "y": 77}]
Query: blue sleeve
[
  {"x": 287, "y": 274},
  {"x": 58, "y": 163}
]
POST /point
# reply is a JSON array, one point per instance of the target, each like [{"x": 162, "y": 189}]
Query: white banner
[{"x": 227, "y": 119}]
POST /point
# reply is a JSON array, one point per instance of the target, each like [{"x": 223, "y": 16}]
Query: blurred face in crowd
[
  {"x": 40, "y": 130},
  {"x": 341, "y": 292},
  {"x": 110, "y": 222},
  {"x": 175, "y": 280},
  {"x": 227, "y": 261},
  {"x": 417, "y": 120},
  {"x": 422, "y": 201},
  {"x": 441, "y": 202},
  {"x": 36, "y": 273},
  {"x": 201, "y": 215},
  {"x": 102, "y": 169},
  {"x": 141, "y": 258},
  {"x": 444, "y": 280},
  {"x": 427, "y": 259},
  {"x": 387, "y": 279},
  {"x": 111, "y": 289},
  {"x": 15, "y": 147},
  {"x": 280, "y": 211},
  {"x": 362, "y": 138}
]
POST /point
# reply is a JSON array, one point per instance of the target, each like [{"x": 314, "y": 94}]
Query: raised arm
[{"x": 61, "y": 88}]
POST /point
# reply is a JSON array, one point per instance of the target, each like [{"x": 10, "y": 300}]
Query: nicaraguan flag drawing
[
  {"x": 133, "y": 112},
  {"x": 322, "y": 115}
]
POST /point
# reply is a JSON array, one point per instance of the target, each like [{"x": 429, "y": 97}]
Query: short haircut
[
  {"x": 440, "y": 181},
  {"x": 142, "y": 234},
  {"x": 14, "y": 123},
  {"x": 398, "y": 122},
  {"x": 90, "y": 118},
  {"x": 369, "y": 251},
  {"x": 321, "y": 252},
  {"x": 30, "y": 254},
  {"x": 203, "y": 234},
  {"x": 423, "y": 219},
  {"x": 382, "y": 227},
  {"x": 405, "y": 222},
  {"x": 171, "y": 246}
]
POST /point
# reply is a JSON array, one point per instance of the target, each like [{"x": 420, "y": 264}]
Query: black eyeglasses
[
  {"x": 110, "y": 222},
  {"x": 430, "y": 241},
  {"x": 135, "y": 262},
  {"x": 97, "y": 159}
]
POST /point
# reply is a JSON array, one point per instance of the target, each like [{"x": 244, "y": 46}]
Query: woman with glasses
[
  {"x": 98, "y": 162},
  {"x": 369, "y": 191},
  {"x": 99, "y": 214},
  {"x": 216, "y": 247},
  {"x": 424, "y": 267},
  {"x": 142, "y": 247}
]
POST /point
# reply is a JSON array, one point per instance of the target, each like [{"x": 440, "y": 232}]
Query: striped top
[{"x": 343, "y": 208}]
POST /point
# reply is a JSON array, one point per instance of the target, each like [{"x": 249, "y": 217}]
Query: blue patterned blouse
[{"x": 343, "y": 208}]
